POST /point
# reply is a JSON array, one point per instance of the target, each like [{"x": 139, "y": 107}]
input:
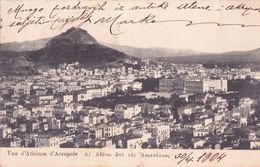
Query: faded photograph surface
[{"x": 130, "y": 74}]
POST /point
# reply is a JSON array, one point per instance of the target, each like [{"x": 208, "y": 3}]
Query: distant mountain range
[
  {"x": 78, "y": 45},
  {"x": 236, "y": 57},
  {"x": 189, "y": 56},
  {"x": 73, "y": 45},
  {"x": 150, "y": 53},
  {"x": 25, "y": 46}
]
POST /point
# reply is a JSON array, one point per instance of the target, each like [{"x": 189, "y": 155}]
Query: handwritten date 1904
[{"x": 205, "y": 157}]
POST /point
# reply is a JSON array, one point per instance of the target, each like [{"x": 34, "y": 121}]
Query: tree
[{"x": 145, "y": 145}]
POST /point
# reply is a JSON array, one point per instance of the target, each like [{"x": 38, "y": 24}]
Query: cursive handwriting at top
[
  {"x": 114, "y": 22},
  {"x": 20, "y": 9},
  {"x": 242, "y": 7},
  {"x": 29, "y": 20},
  {"x": 164, "y": 5},
  {"x": 78, "y": 7},
  {"x": 194, "y": 5},
  {"x": 87, "y": 14}
]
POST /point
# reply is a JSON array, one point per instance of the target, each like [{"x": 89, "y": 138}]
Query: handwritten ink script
[
  {"x": 189, "y": 157},
  {"x": 113, "y": 14}
]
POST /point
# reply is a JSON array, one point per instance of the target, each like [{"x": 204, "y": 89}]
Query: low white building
[{"x": 127, "y": 111}]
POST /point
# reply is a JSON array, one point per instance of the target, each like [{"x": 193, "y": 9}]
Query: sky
[{"x": 174, "y": 35}]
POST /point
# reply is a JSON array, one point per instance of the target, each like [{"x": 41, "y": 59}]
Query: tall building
[
  {"x": 166, "y": 85},
  {"x": 193, "y": 86},
  {"x": 205, "y": 85},
  {"x": 160, "y": 132},
  {"x": 214, "y": 85}
]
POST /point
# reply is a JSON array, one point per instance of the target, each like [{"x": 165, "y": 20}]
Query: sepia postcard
[{"x": 135, "y": 83}]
